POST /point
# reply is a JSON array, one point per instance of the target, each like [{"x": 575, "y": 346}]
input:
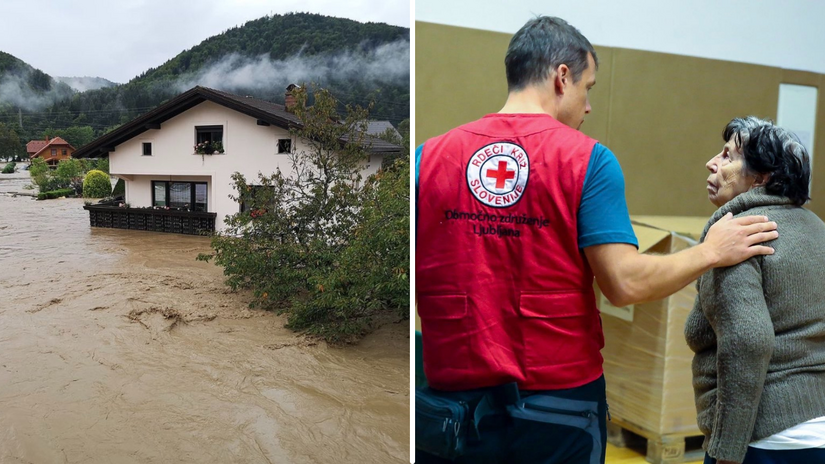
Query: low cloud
[
  {"x": 385, "y": 64},
  {"x": 16, "y": 90},
  {"x": 82, "y": 84}
]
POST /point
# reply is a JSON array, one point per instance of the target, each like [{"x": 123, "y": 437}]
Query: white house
[{"x": 155, "y": 155}]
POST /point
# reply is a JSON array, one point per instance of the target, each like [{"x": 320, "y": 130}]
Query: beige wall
[
  {"x": 661, "y": 114},
  {"x": 249, "y": 149}
]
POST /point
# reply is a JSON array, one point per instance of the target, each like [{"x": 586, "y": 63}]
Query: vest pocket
[
  {"x": 442, "y": 307},
  {"x": 556, "y": 329},
  {"x": 446, "y": 348},
  {"x": 547, "y": 305}
]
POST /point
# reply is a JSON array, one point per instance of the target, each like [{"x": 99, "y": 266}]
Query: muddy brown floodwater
[{"x": 118, "y": 347}]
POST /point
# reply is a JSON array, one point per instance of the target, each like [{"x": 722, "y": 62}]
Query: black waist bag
[{"x": 440, "y": 424}]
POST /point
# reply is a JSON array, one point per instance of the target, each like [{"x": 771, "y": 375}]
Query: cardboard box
[{"x": 646, "y": 359}]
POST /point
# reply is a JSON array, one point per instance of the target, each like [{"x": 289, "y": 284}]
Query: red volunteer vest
[{"x": 504, "y": 294}]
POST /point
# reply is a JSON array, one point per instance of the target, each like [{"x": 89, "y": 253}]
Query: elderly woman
[{"x": 758, "y": 328}]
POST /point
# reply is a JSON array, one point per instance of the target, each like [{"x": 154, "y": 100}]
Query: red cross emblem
[
  {"x": 489, "y": 169},
  {"x": 501, "y": 174}
]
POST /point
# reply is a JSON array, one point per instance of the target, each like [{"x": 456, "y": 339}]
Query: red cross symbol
[{"x": 501, "y": 174}]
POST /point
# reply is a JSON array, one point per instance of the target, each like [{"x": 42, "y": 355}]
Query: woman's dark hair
[{"x": 772, "y": 150}]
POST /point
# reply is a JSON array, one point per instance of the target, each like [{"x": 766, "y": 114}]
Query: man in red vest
[{"x": 516, "y": 213}]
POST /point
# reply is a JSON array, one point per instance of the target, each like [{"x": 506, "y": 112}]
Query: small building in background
[{"x": 52, "y": 150}]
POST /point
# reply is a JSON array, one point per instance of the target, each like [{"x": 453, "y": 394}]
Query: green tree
[
  {"x": 10, "y": 146},
  {"x": 393, "y": 137},
  {"x": 39, "y": 80},
  {"x": 69, "y": 174},
  {"x": 298, "y": 228},
  {"x": 102, "y": 165},
  {"x": 41, "y": 175},
  {"x": 77, "y": 136},
  {"x": 38, "y": 167},
  {"x": 371, "y": 278}
]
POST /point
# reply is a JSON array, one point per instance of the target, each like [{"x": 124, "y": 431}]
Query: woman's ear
[{"x": 761, "y": 179}]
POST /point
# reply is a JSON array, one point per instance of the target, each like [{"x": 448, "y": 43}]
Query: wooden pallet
[{"x": 661, "y": 449}]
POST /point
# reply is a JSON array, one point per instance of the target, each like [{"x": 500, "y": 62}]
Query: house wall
[
  {"x": 249, "y": 149},
  {"x": 47, "y": 154},
  {"x": 139, "y": 189}
]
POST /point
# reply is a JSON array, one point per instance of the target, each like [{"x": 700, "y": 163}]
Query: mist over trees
[{"x": 357, "y": 62}]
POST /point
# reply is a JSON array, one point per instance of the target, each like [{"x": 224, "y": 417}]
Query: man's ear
[
  {"x": 561, "y": 78},
  {"x": 761, "y": 179}
]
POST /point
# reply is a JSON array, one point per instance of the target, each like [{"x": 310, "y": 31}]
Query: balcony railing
[{"x": 156, "y": 220}]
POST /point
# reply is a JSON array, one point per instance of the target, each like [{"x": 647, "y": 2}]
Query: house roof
[
  {"x": 35, "y": 145},
  {"x": 55, "y": 142},
  {"x": 379, "y": 127},
  {"x": 267, "y": 112}
]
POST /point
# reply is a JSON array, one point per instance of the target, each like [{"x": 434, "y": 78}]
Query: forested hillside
[{"x": 358, "y": 62}]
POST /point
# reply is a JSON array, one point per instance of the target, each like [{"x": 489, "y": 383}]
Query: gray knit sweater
[{"x": 758, "y": 332}]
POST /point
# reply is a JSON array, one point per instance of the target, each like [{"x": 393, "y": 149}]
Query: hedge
[{"x": 55, "y": 194}]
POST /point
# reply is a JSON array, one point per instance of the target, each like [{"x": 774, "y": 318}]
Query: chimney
[{"x": 289, "y": 99}]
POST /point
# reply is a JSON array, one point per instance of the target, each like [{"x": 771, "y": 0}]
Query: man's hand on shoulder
[
  {"x": 731, "y": 241},
  {"x": 627, "y": 277}
]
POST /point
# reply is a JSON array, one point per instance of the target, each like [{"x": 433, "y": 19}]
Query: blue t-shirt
[{"x": 603, "y": 215}]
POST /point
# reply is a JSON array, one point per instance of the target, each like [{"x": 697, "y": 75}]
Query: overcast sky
[{"x": 119, "y": 39}]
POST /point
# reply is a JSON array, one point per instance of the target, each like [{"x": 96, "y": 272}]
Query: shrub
[
  {"x": 41, "y": 175},
  {"x": 38, "y": 167},
  {"x": 55, "y": 194},
  {"x": 9, "y": 169},
  {"x": 46, "y": 182},
  {"x": 96, "y": 185},
  {"x": 68, "y": 175}
]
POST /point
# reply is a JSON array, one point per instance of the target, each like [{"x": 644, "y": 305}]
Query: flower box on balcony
[{"x": 209, "y": 148}]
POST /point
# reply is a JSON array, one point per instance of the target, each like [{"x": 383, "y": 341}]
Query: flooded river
[{"x": 118, "y": 347}]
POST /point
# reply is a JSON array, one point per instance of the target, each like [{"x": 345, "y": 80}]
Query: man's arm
[{"x": 626, "y": 277}]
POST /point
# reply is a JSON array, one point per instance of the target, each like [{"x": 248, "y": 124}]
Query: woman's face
[{"x": 727, "y": 177}]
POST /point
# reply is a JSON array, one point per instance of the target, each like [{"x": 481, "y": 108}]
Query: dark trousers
[
  {"x": 503, "y": 439},
  {"x": 763, "y": 456}
]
